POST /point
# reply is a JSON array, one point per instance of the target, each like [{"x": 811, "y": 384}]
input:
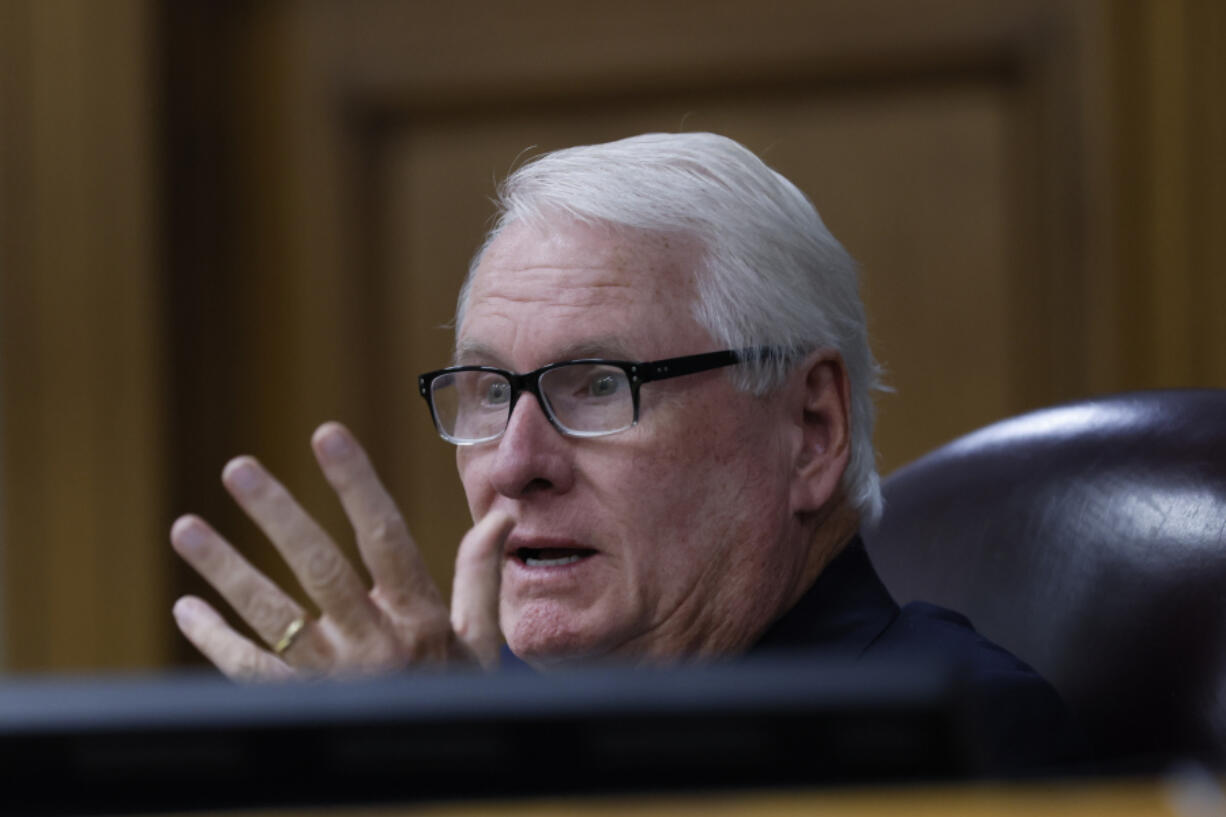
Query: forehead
[{"x": 542, "y": 291}]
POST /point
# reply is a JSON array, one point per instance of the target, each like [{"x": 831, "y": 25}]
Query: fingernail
[
  {"x": 240, "y": 475},
  {"x": 335, "y": 444},
  {"x": 188, "y": 534},
  {"x": 184, "y": 610}
]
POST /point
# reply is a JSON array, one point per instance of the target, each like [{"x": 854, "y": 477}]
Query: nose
[{"x": 532, "y": 456}]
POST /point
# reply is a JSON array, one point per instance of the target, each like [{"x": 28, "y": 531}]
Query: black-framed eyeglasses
[{"x": 582, "y": 398}]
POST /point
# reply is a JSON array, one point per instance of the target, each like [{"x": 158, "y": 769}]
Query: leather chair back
[{"x": 1090, "y": 540}]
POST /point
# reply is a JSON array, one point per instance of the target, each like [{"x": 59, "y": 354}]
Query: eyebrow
[{"x": 469, "y": 352}]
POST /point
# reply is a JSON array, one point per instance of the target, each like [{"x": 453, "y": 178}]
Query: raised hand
[{"x": 401, "y": 620}]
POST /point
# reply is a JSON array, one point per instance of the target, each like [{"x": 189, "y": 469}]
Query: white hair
[{"x": 771, "y": 273}]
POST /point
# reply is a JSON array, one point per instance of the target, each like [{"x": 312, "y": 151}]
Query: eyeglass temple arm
[{"x": 692, "y": 364}]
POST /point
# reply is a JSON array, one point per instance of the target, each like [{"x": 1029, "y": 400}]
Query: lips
[{"x": 533, "y": 551}]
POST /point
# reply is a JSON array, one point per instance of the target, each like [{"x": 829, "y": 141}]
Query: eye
[
  {"x": 604, "y": 385},
  {"x": 496, "y": 392}
]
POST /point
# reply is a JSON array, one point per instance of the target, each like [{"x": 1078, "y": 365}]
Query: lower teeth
[{"x": 564, "y": 560}]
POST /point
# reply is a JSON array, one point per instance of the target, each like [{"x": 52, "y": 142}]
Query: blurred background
[{"x": 222, "y": 223}]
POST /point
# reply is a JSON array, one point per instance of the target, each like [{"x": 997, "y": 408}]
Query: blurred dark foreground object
[
  {"x": 109, "y": 746},
  {"x": 1089, "y": 539}
]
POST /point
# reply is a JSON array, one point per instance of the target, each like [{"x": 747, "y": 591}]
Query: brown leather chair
[{"x": 1090, "y": 540}]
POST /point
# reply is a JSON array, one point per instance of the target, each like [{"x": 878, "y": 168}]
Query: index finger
[{"x": 478, "y": 582}]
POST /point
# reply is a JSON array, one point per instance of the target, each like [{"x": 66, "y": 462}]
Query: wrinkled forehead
[{"x": 578, "y": 278}]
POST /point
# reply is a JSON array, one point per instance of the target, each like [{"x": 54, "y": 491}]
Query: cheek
[
  {"x": 704, "y": 547},
  {"x": 699, "y": 497}
]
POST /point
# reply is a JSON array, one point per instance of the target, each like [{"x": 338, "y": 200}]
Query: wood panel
[
  {"x": 1170, "y": 172},
  {"x": 79, "y": 305}
]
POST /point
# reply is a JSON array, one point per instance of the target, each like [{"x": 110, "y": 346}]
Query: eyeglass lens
[{"x": 583, "y": 398}]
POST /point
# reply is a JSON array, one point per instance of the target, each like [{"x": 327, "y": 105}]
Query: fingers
[
  {"x": 318, "y": 564},
  {"x": 234, "y": 655},
  {"x": 478, "y": 578},
  {"x": 402, "y": 620},
  {"x": 395, "y": 564},
  {"x": 257, "y": 600}
]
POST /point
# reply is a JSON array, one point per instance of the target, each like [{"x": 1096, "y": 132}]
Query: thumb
[{"x": 478, "y": 579}]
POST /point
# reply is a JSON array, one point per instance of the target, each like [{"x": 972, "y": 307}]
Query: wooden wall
[
  {"x": 223, "y": 223},
  {"x": 82, "y": 338},
  {"x": 1168, "y": 177}
]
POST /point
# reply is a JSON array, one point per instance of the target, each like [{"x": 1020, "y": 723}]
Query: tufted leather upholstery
[{"x": 1090, "y": 540}]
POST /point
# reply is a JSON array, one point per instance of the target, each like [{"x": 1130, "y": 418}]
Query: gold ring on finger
[{"x": 290, "y": 635}]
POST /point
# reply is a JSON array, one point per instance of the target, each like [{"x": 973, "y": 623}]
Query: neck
[{"x": 833, "y": 526}]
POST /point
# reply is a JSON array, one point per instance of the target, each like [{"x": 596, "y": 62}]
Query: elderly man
[{"x": 661, "y": 402}]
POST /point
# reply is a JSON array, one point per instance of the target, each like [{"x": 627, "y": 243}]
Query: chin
[{"x": 545, "y": 636}]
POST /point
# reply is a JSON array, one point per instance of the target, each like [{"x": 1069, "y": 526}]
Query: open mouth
[{"x": 552, "y": 557}]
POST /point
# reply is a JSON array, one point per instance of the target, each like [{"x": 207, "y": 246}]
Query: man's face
[{"x": 681, "y": 522}]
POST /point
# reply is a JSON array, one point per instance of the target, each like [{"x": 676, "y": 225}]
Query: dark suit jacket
[{"x": 1018, "y": 721}]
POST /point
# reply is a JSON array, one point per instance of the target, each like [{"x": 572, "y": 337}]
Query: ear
[{"x": 821, "y": 409}]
